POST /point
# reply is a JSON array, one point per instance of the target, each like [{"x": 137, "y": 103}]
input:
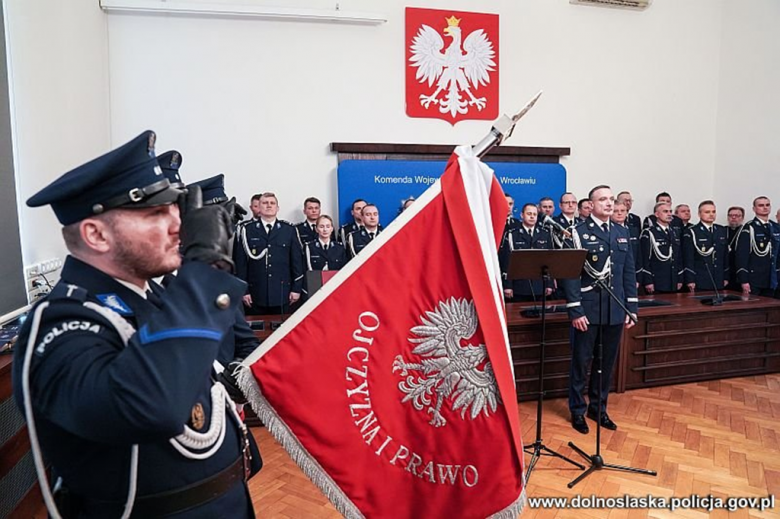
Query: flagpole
[{"x": 502, "y": 129}]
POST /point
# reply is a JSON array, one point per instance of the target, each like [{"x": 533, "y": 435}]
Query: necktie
[
  {"x": 605, "y": 227},
  {"x": 268, "y": 227},
  {"x": 325, "y": 247},
  {"x": 370, "y": 236},
  {"x": 153, "y": 298}
]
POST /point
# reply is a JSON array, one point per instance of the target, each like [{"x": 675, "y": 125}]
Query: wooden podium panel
[
  {"x": 691, "y": 342},
  {"x": 683, "y": 342},
  {"x": 524, "y": 337}
]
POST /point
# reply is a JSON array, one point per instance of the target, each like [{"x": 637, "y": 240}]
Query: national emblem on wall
[{"x": 451, "y": 64}]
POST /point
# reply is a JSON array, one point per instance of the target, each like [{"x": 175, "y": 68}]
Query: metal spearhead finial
[{"x": 503, "y": 128}]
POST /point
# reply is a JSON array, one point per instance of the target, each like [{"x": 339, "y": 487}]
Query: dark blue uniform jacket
[
  {"x": 93, "y": 397},
  {"x": 583, "y": 296}
]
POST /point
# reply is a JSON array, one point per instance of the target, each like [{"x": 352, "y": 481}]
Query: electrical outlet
[
  {"x": 43, "y": 267},
  {"x": 32, "y": 271},
  {"x": 35, "y": 294}
]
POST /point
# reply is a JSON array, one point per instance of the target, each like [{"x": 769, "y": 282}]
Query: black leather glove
[
  {"x": 235, "y": 210},
  {"x": 205, "y": 231},
  {"x": 229, "y": 379}
]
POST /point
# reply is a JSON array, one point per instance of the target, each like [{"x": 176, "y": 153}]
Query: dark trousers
[
  {"x": 584, "y": 350},
  {"x": 266, "y": 310}
]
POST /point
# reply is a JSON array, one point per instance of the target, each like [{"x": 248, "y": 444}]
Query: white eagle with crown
[
  {"x": 458, "y": 70},
  {"x": 449, "y": 368}
]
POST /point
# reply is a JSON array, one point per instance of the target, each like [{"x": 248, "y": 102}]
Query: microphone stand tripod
[
  {"x": 536, "y": 448},
  {"x": 548, "y": 264},
  {"x": 596, "y": 460}
]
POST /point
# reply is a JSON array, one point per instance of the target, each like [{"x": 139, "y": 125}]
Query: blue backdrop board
[{"x": 387, "y": 183}]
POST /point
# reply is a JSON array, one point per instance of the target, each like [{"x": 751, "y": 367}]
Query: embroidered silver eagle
[{"x": 448, "y": 369}]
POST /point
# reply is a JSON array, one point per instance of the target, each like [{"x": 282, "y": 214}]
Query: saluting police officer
[
  {"x": 269, "y": 258},
  {"x": 662, "y": 266},
  {"x": 757, "y": 251},
  {"x": 240, "y": 341},
  {"x": 705, "y": 252},
  {"x": 213, "y": 189},
  {"x": 358, "y": 240},
  {"x": 307, "y": 229},
  {"x": 117, "y": 389},
  {"x": 593, "y": 313},
  {"x": 527, "y": 236}
]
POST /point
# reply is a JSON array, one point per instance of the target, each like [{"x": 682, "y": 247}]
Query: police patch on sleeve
[{"x": 62, "y": 328}]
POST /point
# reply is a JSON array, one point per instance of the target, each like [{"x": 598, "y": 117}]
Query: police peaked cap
[
  {"x": 213, "y": 189},
  {"x": 127, "y": 177},
  {"x": 170, "y": 162}
]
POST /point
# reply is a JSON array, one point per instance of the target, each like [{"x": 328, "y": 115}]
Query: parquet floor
[{"x": 719, "y": 438}]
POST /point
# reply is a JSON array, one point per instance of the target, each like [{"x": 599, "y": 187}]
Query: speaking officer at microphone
[
  {"x": 117, "y": 389},
  {"x": 269, "y": 258},
  {"x": 594, "y": 315},
  {"x": 705, "y": 248}
]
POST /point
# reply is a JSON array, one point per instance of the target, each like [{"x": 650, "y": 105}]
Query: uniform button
[{"x": 223, "y": 301}]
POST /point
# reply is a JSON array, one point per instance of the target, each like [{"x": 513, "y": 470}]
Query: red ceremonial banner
[
  {"x": 392, "y": 387},
  {"x": 451, "y": 64}
]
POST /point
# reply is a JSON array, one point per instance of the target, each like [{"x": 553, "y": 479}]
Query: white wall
[
  {"x": 748, "y": 137},
  {"x": 633, "y": 93},
  {"x": 681, "y": 97},
  {"x": 58, "y": 70}
]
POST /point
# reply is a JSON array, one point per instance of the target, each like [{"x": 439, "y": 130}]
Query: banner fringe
[
  {"x": 290, "y": 443},
  {"x": 309, "y": 465},
  {"x": 512, "y": 511}
]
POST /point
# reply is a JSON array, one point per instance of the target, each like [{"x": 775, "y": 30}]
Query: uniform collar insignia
[{"x": 115, "y": 303}]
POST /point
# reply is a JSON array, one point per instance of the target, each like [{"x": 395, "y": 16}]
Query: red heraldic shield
[
  {"x": 392, "y": 387},
  {"x": 451, "y": 64}
]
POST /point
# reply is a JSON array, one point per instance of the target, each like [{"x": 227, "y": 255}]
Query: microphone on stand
[
  {"x": 718, "y": 299},
  {"x": 555, "y": 225}
]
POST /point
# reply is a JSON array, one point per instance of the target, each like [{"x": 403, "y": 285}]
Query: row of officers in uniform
[
  {"x": 272, "y": 255},
  {"x": 671, "y": 254}
]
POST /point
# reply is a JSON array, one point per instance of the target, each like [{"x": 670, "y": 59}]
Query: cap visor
[{"x": 166, "y": 196}]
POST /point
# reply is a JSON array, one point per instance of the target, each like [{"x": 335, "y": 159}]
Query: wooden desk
[{"x": 684, "y": 342}]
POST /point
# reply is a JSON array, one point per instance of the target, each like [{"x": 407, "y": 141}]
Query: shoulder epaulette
[{"x": 68, "y": 291}]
